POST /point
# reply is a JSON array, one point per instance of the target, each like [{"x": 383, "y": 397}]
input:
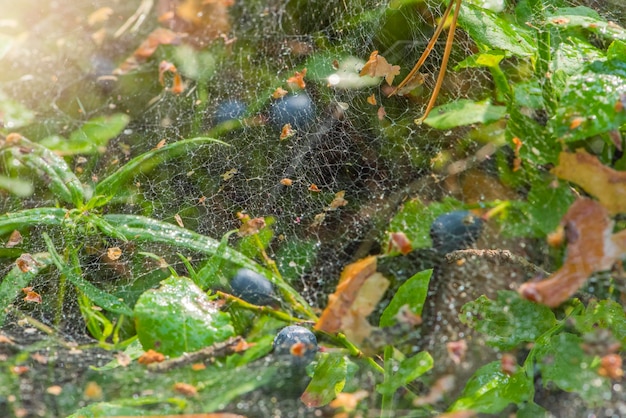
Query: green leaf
[
  {"x": 509, "y": 320},
  {"x": 90, "y": 138},
  {"x": 464, "y": 112},
  {"x": 561, "y": 360},
  {"x": 17, "y": 279},
  {"x": 490, "y": 390},
  {"x": 140, "y": 228},
  {"x": 412, "y": 294},
  {"x": 490, "y": 31},
  {"x": 208, "y": 275},
  {"x": 30, "y": 217},
  {"x": 178, "y": 317},
  {"x": 593, "y": 102},
  {"x": 408, "y": 370},
  {"x": 51, "y": 168},
  {"x": 604, "y": 314},
  {"x": 107, "y": 188},
  {"x": 585, "y": 18},
  {"x": 328, "y": 380}
]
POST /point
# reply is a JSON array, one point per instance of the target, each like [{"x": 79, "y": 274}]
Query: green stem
[
  {"x": 263, "y": 310},
  {"x": 386, "y": 409}
]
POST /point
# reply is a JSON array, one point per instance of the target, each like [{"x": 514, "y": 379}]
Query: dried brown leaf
[
  {"x": 377, "y": 66},
  {"x": 591, "y": 247},
  {"x": 604, "y": 183}
]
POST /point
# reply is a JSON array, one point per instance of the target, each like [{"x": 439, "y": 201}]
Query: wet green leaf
[
  {"x": 328, "y": 380},
  {"x": 412, "y": 294},
  {"x": 90, "y": 138},
  {"x": 603, "y": 314},
  {"x": 509, "y": 320},
  {"x": 490, "y": 390},
  {"x": 464, "y": 112},
  {"x": 108, "y": 187},
  {"x": 585, "y": 18},
  {"x": 29, "y": 217},
  {"x": 561, "y": 360},
  {"x": 490, "y": 31},
  {"x": 51, "y": 168},
  {"x": 178, "y": 317},
  {"x": 408, "y": 370},
  {"x": 18, "y": 187},
  {"x": 593, "y": 103},
  {"x": 17, "y": 279}
]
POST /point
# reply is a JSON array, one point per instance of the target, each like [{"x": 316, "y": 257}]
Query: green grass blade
[
  {"x": 29, "y": 217},
  {"x": 50, "y": 167},
  {"x": 140, "y": 228},
  {"x": 143, "y": 163},
  {"x": 17, "y": 279},
  {"x": 99, "y": 297}
]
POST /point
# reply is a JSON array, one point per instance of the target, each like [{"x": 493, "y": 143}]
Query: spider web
[{"x": 380, "y": 162}]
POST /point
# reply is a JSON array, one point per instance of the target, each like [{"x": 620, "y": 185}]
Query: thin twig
[
  {"x": 268, "y": 310},
  {"x": 498, "y": 256},
  {"x": 221, "y": 349}
]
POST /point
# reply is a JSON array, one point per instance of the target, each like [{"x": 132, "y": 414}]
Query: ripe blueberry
[
  {"x": 297, "y": 110},
  {"x": 455, "y": 230},
  {"x": 229, "y": 110},
  {"x": 297, "y": 344},
  {"x": 253, "y": 287}
]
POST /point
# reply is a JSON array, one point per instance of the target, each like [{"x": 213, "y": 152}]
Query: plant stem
[{"x": 386, "y": 408}]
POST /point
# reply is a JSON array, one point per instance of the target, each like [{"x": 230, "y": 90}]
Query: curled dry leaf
[
  {"x": 185, "y": 389},
  {"x": 279, "y": 92},
  {"x": 15, "y": 239},
  {"x": 298, "y": 79},
  {"x": 287, "y": 131},
  {"x": 159, "y": 36},
  {"x": 399, "y": 243},
  {"x": 26, "y": 262},
  {"x": 150, "y": 357},
  {"x": 338, "y": 201},
  {"x": 591, "y": 247},
  {"x": 31, "y": 295},
  {"x": 359, "y": 290},
  {"x": 600, "y": 181},
  {"x": 377, "y": 66},
  {"x": 251, "y": 226}
]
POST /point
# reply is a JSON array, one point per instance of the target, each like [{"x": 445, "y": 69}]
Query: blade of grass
[
  {"x": 51, "y": 168},
  {"x": 17, "y": 279},
  {"x": 29, "y": 217},
  {"x": 99, "y": 297},
  {"x": 107, "y": 188},
  {"x": 140, "y": 228}
]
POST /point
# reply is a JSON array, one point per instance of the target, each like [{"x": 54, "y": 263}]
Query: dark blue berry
[
  {"x": 455, "y": 230},
  {"x": 229, "y": 110},
  {"x": 297, "y": 110},
  {"x": 297, "y": 344},
  {"x": 253, "y": 288}
]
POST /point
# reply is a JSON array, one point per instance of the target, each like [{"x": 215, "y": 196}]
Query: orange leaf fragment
[
  {"x": 287, "y": 131},
  {"x": 159, "y": 36},
  {"x": 279, "y": 92},
  {"x": 381, "y": 113},
  {"x": 517, "y": 161},
  {"x": 114, "y": 253},
  {"x": 313, "y": 188},
  {"x": 371, "y": 100},
  {"x": 359, "y": 290},
  {"x": 377, "y": 66},
  {"x": 591, "y": 247},
  {"x": 31, "y": 295},
  {"x": 338, "y": 201},
  {"x": 399, "y": 243},
  {"x": 15, "y": 239},
  {"x": 251, "y": 226},
  {"x": 150, "y": 357},
  {"x": 286, "y": 182},
  {"x": 604, "y": 183},
  {"x": 298, "y": 79},
  {"x": 185, "y": 389},
  {"x": 611, "y": 367}
]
